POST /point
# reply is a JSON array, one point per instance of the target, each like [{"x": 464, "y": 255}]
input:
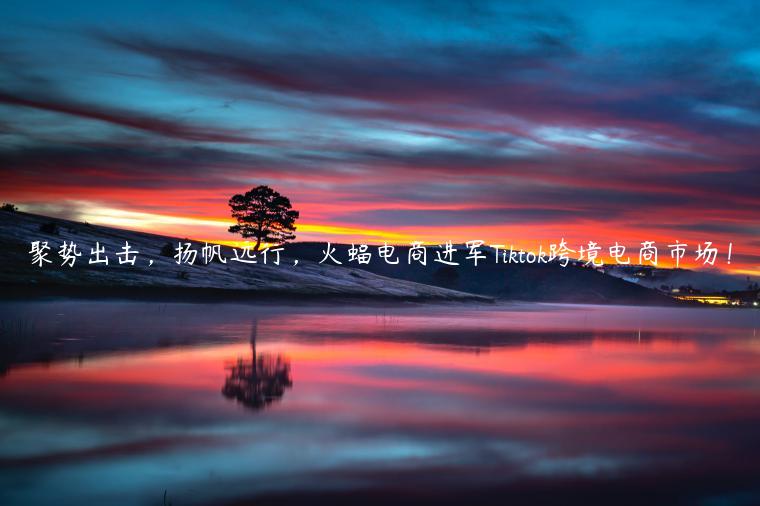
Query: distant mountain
[
  {"x": 705, "y": 281},
  {"x": 165, "y": 278},
  {"x": 527, "y": 282}
]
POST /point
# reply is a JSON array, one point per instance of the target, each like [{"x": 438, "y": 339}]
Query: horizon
[{"x": 664, "y": 264}]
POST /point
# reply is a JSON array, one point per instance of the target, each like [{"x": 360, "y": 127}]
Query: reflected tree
[{"x": 260, "y": 381}]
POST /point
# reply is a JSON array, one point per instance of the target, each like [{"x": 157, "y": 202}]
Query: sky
[{"x": 509, "y": 122}]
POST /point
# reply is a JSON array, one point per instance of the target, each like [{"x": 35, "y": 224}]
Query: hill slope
[
  {"x": 165, "y": 276},
  {"x": 545, "y": 282}
]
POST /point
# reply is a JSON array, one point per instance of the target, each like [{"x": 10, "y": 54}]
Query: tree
[{"x": 264, "y": 214}]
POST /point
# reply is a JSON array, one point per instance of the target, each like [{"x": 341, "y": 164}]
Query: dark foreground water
[{"x": 120, "y": 403}]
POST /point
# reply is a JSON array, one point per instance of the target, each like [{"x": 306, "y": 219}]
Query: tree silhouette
[
  {"x": 264, "y": 214},
  {"x": 257, "y": 383}
]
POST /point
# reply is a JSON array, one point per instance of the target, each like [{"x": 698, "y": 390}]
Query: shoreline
[
  {"x": 211, "y": 295},
  {"x": 31, "y": 292}
]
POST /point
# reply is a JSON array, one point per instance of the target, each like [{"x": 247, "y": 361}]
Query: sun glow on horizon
[{"x": 213, "y": 229}]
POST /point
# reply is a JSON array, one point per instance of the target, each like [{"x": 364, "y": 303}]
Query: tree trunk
[{"x": 259, "y": 233}]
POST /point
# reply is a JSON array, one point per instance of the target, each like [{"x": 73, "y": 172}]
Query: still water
[{"x": 153, "y": 403}]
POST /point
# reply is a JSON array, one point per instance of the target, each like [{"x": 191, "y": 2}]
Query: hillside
[
  {"x": 707, "y": 281},
  {"x": 168, "y": 279},
  {"x": 545, "y": 282}
]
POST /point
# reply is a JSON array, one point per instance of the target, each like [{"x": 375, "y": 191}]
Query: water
[{"x": 121, "y": 402}]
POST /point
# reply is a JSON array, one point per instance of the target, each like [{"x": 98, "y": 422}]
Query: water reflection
[
  {"x": 514, "y": 404},
  {"x": 260, "y": 381}
]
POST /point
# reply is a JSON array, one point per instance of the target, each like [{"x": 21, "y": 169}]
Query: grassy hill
[{"x": 165, "y": 278}]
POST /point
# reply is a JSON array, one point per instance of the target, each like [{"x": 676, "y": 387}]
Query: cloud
[
  {"x": 128, "y": 119},
  {"x": 400, "y": 116},
  {"x": 490, "y": 87}
]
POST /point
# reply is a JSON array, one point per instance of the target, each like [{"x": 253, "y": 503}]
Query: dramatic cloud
[
  {"x": 127, "y": 119},
  {"x": 433, "y": 121}
]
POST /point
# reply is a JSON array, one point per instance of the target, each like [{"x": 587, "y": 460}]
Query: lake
[{"x": 115, "y": 402}]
